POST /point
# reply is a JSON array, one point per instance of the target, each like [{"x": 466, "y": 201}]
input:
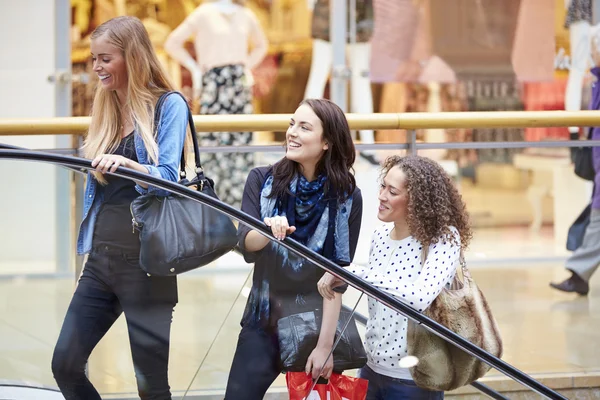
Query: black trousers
[
  {"x": 113, "y": 283},
  {"x": 255, "y": 366}
]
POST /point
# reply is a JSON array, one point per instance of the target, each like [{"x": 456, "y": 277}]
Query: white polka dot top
[{"x": 395, "y": 267}]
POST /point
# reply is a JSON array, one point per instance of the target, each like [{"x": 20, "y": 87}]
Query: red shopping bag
[{"x": 339, "y": 387}]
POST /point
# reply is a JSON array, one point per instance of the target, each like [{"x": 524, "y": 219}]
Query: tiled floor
[{"x": 543, "y": 331}]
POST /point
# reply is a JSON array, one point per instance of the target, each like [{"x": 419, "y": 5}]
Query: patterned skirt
[{"x": 224, "y": 91}]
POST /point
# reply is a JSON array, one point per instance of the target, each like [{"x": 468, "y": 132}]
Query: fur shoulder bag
[{"x": 463, "y": 309}]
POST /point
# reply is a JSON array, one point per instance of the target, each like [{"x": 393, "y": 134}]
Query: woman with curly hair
[{"x": 421, "y": 207}]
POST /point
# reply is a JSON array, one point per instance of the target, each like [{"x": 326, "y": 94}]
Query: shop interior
[{"x": 504, "y": 188}]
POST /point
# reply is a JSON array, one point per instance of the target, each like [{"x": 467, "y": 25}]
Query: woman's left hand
[
  {"x": 316, "y": 360},
  {"x": 326, "y": 285},
  {"x": 109, "y": 162}
]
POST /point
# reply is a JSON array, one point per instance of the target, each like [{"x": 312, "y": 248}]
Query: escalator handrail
[{"x": 83, "y": 165}]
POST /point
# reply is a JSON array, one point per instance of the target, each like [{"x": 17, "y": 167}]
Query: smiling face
[
  {"x": 393, "y": 196},
  {"x": 304, "y": 138},
  {"x": 109, "y": 64}
]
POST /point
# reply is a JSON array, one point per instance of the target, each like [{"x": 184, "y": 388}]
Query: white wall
[{"x": 28, "y": 204}]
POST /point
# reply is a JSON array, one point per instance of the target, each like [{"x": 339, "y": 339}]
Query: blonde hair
[{"x": 146, "y": 82}]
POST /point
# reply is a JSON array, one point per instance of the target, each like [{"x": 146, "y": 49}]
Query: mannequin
[
  {"x": 223, "y": 31},
  {"x": 359, "y": 54},
  {"x": 578, "y": 21},
  {"x": 227, "y": 9}
]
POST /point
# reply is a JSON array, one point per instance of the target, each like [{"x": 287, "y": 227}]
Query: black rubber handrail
[{"x": 383, "y": 297}]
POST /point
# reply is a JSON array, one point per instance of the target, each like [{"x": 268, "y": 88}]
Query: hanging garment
[
  {"x": 364, "y": 20},
  {"x": 265, "y": 76},
  {"x": 495, "y": 94},
  {"x": 474, "y": 37},
  {"x": 225, "y": 91},
  {"x": 401, "y": 44},
  {"x": 534, "y": 43},
  {"x": 394, "y": 35},
  {"x": 545, "y": 96}
]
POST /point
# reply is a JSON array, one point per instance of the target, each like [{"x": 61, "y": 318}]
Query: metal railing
[
  {"x": 378, "y": 121},
  {"x": 395, "y": 121}
]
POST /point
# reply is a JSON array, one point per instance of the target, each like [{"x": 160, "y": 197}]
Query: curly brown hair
[{"x": 434, "y": 203}]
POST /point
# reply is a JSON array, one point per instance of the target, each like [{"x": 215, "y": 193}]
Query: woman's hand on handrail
[
  {"x": 279, "y": 226},
  {"x": 326, "y": 285}
]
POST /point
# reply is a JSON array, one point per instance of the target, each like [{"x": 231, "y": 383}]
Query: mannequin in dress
[
  {"x": 223, "y": 32},
  {"x": 359, "y": 54},
  {"x": 579, "y": 23}
]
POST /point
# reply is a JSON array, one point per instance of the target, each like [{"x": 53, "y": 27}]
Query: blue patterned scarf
[{"x": 321, "y": 223}]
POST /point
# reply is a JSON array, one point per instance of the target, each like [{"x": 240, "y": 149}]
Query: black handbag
[
  {"x": 299, "y": 334},
  {"x": 178, "y": 234},
  {"x": 577, "y": 229},
  {"x": 583, "y": 160}
]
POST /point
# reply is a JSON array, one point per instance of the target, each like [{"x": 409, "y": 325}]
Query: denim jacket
[{"x": 172, "y": 129}]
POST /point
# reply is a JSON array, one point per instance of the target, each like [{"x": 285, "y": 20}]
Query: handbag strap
[
  {"x": 157, "y": 115},
  {"x": 463, "y": 264}
]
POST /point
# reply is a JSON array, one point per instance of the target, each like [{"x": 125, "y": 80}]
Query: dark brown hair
[
  {"x": 335, "y": 163},
  {"x": 434, "y": 204}
]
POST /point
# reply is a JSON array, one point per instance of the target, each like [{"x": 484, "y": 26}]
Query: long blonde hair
[{"x": 146, "y": 82}]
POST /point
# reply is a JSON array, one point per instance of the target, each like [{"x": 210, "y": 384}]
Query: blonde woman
[{"x": 122, "y": 134}]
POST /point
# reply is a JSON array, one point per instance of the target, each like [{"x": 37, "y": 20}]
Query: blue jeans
[{"x": 383, "y": 387}]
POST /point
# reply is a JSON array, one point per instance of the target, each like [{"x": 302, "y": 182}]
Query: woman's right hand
[
  {"x": 326, "y": 285},
  {"x": 279, "y": 226}
]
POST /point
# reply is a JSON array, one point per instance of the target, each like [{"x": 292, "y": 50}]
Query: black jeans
[
  {"x": 255, "y": 366},
  {"x": 112, "y": 283}
]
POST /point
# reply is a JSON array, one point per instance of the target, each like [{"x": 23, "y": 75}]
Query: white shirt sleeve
[{"x": 440, "y": 267}]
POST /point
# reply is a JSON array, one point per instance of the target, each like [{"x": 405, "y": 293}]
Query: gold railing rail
[{"x": 279, "y": 122}]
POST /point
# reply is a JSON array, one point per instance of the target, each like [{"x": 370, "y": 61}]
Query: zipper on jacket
[{"x": 134, "y": 223}]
